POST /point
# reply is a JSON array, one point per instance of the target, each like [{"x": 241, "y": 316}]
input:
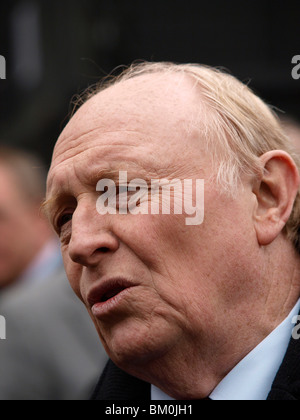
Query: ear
[{"x": 275, "y": 193}]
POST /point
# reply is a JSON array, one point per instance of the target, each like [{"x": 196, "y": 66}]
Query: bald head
[{"x": 164, "y": 99}]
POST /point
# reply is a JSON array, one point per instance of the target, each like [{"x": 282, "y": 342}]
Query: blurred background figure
[
  {"x": 51, "y": 350},
  {"x": 29, "y": 252}
]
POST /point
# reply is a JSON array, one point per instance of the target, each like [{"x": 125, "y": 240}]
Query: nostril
[{"x": 103, "y": 250}]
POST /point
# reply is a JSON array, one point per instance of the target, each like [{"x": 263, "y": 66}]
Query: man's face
[
  {"x": 17, "y": 219},
  {"x": 152, "y": 284}
]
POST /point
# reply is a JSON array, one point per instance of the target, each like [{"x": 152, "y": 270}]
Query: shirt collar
[{"x": 252, "y": 377}]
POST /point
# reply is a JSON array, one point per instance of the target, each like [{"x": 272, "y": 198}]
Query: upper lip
[{"x": 107, "y": 289}]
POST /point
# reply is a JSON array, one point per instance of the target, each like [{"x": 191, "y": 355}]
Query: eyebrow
[
  {"x": 131, "y": 167},
  {"x": 48, "y": 205},
  {"x": 91, "y": 180}
]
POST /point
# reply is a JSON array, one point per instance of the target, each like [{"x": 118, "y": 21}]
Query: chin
[{"x": 132, "y": 346}]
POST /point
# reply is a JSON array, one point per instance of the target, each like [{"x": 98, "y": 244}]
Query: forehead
[{"x": 147, "y": 116}]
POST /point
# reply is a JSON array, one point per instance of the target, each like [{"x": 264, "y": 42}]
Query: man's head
[
  {"x": 22, "y": 228},
  {"x": 163, "y": 294}
]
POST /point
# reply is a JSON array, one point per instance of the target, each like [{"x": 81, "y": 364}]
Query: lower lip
[{"x": 101, "y": 309}]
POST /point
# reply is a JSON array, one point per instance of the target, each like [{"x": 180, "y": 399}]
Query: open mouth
[
  {"x": 112, "y": 293},
  {"x": 107, "y": 290}
]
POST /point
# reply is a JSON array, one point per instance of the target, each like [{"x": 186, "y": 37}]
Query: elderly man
[{"x": 185, "y": 311}]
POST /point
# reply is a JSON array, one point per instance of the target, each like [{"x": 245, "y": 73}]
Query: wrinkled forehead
[
  {"x": 150, "y": 111},
  {"x": 156, "y": 99}
]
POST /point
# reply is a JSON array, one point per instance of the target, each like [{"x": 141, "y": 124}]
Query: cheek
[
  {"x": 147, "y": 327},
  {"x": 174, "y": 256},
  {"x": 73, "y": 272},
  {"x": 174, "y": 253},
  {"x": 158, "y": 241},
  {"x": 193, "y": 265}
]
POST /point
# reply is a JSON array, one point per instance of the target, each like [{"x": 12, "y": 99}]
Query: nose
[{"x": 92, "y": 238}]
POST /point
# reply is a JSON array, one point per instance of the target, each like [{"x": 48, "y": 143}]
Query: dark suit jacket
[{"x": 115, "y": 384}]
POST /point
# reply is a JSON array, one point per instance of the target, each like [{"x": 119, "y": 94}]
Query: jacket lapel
[
  {"x": 286, "y": 385},
  {"x": 115, "y": 384}
]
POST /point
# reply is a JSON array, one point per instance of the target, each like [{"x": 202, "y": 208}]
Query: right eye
[{"x": 64, "y": 219}]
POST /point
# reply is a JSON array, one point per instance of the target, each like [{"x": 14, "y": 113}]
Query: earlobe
[{"x": 275, "y": 194}]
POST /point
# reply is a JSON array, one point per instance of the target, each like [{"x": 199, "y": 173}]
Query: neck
[{"x": 199, "y": 362}]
